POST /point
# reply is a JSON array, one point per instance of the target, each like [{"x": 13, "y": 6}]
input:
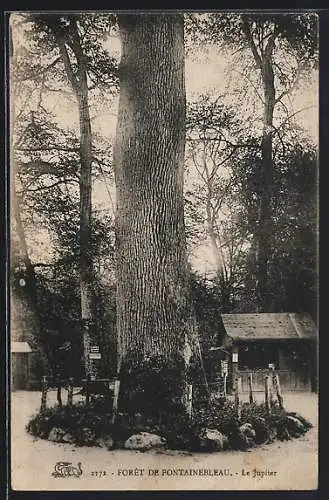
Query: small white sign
[
  {"x": 95, "y": 355},
  {"x": 94, "y": 348},
  {"x": 234, "y": 357},
  {"x": 224, "y": 367}
]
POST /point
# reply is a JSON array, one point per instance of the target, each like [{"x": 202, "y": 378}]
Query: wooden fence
[
  {"x": 88, "y": 388},
  {"x": 290, "y": 380},
  {"x": 218, "y": 390}
]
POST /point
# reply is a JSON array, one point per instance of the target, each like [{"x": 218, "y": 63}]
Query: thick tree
[{"x": 154, "y": 316}]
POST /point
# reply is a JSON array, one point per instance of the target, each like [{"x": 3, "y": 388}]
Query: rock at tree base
[
  {"x": 105, "y": 442},
  {"x": 295, "y": 426},
  {"x": 68, "y": 438},
  {"x": 56, "y": 434},
  {"x": 144, "y": 441},
  {"x": 212, "y": 439},
  {"x": 246, "y": 435},
  {"x": 88, "y": 436},
  {"x": 38, "y": 427},
  {"x": 307, "y": 425}
]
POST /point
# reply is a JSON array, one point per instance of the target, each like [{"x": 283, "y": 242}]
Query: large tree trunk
[{"x": 153, "y": 310}]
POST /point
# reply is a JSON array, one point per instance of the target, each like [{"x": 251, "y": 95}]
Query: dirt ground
[{"x": 286, "y": 465}]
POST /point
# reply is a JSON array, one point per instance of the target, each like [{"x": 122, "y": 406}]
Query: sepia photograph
[{"x": 163, "y": 270}]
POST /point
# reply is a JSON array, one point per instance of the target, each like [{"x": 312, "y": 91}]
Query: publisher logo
[{"x": 67, "y": 469}]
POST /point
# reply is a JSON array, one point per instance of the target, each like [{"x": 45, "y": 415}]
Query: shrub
[
  {"x": 72, "y": 419},
  {"x": 151, "y": 388},
  {"x": 88, "y": 423}
]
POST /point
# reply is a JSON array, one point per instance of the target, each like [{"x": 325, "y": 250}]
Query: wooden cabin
[
  {"x": 24, "y": 367},
  {"x": 288, "y": 341}
]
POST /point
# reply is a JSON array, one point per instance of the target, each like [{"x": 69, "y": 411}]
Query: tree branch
[
  {"x": 41, "y": 264},
  {"x": 42, "y": 188},
  {"x": 49, "y": 148},
  {"x": 67, "y": 63},
  {"x": 250, "y": 41}
]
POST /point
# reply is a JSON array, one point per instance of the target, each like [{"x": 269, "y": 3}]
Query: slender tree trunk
[
  {"x": 153, "y": 309},
  {"x": 217, "y": 250},
  {"x": 221, "y": 272},
  {"x": 264, "y": 61},
  {"x": 86, "y": 271},
  {"x": 265, "y": 224},
  {"x": 79, "y": 84}
]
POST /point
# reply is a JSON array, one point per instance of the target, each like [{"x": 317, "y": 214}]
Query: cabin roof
[
  {"x": 20, "y": 347},
  {"x": 269, "y": 326}
]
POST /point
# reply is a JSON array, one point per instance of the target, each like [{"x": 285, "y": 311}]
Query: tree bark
[
  {"x": 264, "y": 61},
  {"x": 86, "y": 271},
  {"x": 79, "y": 85},
  {"x": 154, "y": 315},
  {"x": 265, "y": 224}
]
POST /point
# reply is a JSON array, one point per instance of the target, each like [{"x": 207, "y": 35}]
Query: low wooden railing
[
  {"x": 88, "y": 388},
  {"x": 290, "y": 380}
]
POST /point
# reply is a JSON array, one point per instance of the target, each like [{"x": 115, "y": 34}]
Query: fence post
[
  {"x": 225, "y": 386},
  {"x": 267, "y": 398},
  {"x": 270, "y": 383},
  {"x": 70, "y": 392},
  {"x": 278, "y": 390},
  {"x": 189, "y": 401},
  {"x": 44, "y": 390},
  {"x": 59, "y": 393},
  {"x": 237, "y": 393},
  {"x": 87, "y": 389},
  {"x": 251, "y": 396},
  {"x": 115, "y": 400}
]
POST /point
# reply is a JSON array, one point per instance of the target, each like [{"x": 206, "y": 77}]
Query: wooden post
[
  {"x": 251, "y": 397},
  {"x": 225, "y": 385},
  {"x": 109, "y": 385},
  {"x": 70, "y": 392},
  {"x": 278, "y": 390},
  {"x": 235, "y": 358},
  {"x": 270, "y": 384},
  {"x": 59, "y": 394},
  {"x": 267, "y": 399},
  {"x": 237, "y": 393},
  {"x": 189, "y": 401},
  {"x": 115, "y": 400},
  {"x": 44, "y": 390},
  {"x": 87, "y": 389}
]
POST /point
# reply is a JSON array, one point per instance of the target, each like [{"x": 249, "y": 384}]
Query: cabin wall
[
  {"x": 294, "y": 362},
  {"x": 25, "y": 371},
  {"x": 19, "y": 370}
]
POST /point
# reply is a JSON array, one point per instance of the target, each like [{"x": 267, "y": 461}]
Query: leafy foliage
[
  {"x": 153, "y": 386},
  {"x": 180, "y": 433}
]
